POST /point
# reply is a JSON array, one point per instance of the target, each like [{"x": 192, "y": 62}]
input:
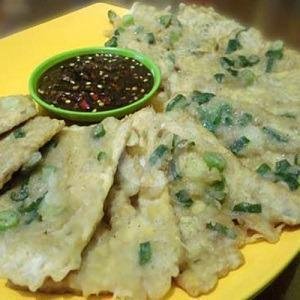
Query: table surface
[{"x": 286, "y": 286}]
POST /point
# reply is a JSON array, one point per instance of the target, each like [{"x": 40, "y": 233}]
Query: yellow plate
[{"x": 21, "y": 52}]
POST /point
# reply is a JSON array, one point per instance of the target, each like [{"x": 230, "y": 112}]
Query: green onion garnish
[
  {"x": 8, "y": 219},
  {"x": 245, "y": 119},
  {"x": 214, "y": 160},
  {"x": 111, "y": 16},
  {"x": 157, "y": 154},
  {"x": 239, "y": 144},
  {"x": 221, "y": 229},
  {"x": 101, "y": 155},
  {"x": 219, "y": 77},
  {"x": 183, "y": 198},
  {"x": 275, "y": 135},
  {"x": 179, "y": 101},
  {"x": 201, "y": 98},
  {"x": 150, "y": 38},
  {"x": 21, "y": 195},
  {"x": 145, "y": 253},
  {"x": 127, "y": 20},
  {"x": 113, "y": 42},
  {"x": 274, "y": 54},
  {"x": 19, "y": 133},
  {"x": 248, "y": 208},
  {"x": 99, "y": 131},
  {"x": 264, "y": 169}
]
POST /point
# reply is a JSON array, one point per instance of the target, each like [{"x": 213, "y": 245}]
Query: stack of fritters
[{"x": 170, "y": 192}]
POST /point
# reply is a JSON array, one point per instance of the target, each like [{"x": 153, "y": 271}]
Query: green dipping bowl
[{"x": 93, "y": 116}]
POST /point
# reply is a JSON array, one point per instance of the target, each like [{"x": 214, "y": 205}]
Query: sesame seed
[
  {"x": 71, "y": 64},
  {"x": 101, "y": 73},
  {"x": 143, "y": 90},
  {"x": 134, "y": 88},
  {"x": 41, "y": 91},
  {"x": 100, "y": 86},
  {"x": 72, "y": 81},
  {"x": 135, "y": 98},
  {"x": 67, "y": 101},
  {"x": 88, "y": 83},
  {"x": 132, "y": 67},
  {"x": 145, "y": 80},
  {"x": 94, "y": 110}
]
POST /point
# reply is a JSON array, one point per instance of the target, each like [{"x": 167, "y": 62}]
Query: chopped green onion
[
  {"x": 264, "y": 169},
  {"x": 214, "y": 160},
  {"x": 21, "y": 195},
  {"x": 233, "y": 45},
  {"x": 113, "y": 42},
  {"x": 253, "y": 60},
  {"x": 226, "y": 114},
  {"x": 118, "y": 31},
  {"x": 174, "y": 37},
  {"x": 178, "y": 142},
  {"x": 219, "y": 77},
  {"x": 245, "y": 119},
  {"x": 284, "y": 172},
  {"x": 183, "y": 198},
  {"x": 99, "y": 131},
  {"x": 282, "y": 166},
  {"x": 201, "y": 98},
  {"x": 101, "y": 155},
  {"x": 248, "y": 208},
  {"x": 8, "y": 219},
  {"x": 226, "y": 63},
  {"x": 247, "y": 77},
  {"x": 243, "y": 61},
  {"x": 145, "y": 253},
  {"x": 171, "y": 57},
  {"x": 150, "y": 38},
  {"x": 19, "y": 133},
  {"x": 173, "y": 170},
  {"x": 297, "y": 160},
  {"x": 275, "y": 135},
  {"x": 290, "y": 179},
  {"x": 165, "y": 20},
  {"x": 157, "y": 154},
  {"x": 212, "y": 118},
  {"x": 33, "y": 206},
  {"x": 273, "y": 54},
  {"x": 222, "y": 229},
  {"x": 111, "y": 16},
  {"x": 127, "y": 20},
  {"x": 179, "y": 101},
  {"x": 239, "y": 144},
  {"x": 216, "y": 191}
]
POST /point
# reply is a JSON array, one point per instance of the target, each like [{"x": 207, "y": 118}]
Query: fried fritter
[
  {"x": 53, "y": 211},
  {"x": 14, "y": 110}
]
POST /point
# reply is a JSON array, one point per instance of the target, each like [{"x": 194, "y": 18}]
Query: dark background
[{"x": 275, "y": 18}]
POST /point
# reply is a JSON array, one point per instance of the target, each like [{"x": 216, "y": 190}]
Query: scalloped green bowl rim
[{"x": 93, "y": 116}]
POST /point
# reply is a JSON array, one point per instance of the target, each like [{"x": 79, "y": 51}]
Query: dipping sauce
[{"x": 95, "y": 82}]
